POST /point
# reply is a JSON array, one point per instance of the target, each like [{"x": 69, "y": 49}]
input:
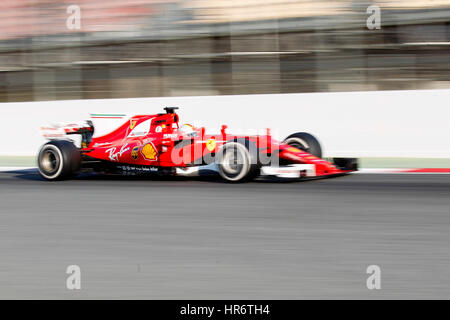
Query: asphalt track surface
[{"x": 201, "y": 239}]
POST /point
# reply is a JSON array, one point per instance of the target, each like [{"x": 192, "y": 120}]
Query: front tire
[
  {"x": 306, "y": 142},
  {"x": 237, "y": 161},
  {"x": 58, "y": 160}
]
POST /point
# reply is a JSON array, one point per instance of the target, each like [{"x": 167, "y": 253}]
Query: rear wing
[{"x": 61, "y": 131}]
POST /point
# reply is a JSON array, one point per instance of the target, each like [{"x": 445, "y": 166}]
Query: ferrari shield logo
[
  {"x": 149, "y": 152},
  {"x": 211, "y": 144},
  {"x": 132, "y": 124}
]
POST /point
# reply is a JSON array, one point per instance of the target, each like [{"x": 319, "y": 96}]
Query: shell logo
[{"x": 149, "y": 152}]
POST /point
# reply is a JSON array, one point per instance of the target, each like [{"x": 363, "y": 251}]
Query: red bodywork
[{"x": 161, "y": 143}]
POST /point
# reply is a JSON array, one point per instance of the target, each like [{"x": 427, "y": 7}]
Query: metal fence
[{"x": 172, "y": 48}]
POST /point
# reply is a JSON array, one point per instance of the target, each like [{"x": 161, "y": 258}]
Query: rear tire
[
  {"x": 58, "y": 160},
  {"x": 306, "y": 142},
  {"x": 237, "y": 161}
]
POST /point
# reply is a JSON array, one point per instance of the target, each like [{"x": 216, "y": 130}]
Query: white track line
[
  {"x": 6, "y": 169},
  {"x": 393, "y": 171},
  {"x": 380, "y": 170}
]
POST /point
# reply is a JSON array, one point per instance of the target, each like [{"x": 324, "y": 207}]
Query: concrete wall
[{"x": 360, "y": 124}]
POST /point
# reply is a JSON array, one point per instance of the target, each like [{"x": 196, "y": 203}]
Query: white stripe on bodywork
[{"x": 289, "y": 171}]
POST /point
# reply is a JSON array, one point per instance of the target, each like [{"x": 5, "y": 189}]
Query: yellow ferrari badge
[{"x": 211, "y": 144}]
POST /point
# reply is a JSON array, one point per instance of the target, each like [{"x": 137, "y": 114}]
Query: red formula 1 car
[{"x": 157, "y": 144}]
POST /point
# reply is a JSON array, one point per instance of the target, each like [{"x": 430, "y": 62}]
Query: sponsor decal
[
  {"x": 115, "y": 156},
  {"x": 158, "y": 129},
  {"x": 102, "y": 144},
  {"x": 211, "y": 144},
  {"x": 138, "y": 168},
  {"x": 132, "y": 124},
  {"x": 135, "y": 153},
  {"x": 170, "y": 135},
  {"x": 149, "y": 152}
]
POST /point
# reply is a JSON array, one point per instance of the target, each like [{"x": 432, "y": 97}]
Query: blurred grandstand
[{"x": 143, "y": 48}]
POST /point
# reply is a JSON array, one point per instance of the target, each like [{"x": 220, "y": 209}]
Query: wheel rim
[
  {"x": 233, "y": 161},
  {"x": 50, "y": 161}
]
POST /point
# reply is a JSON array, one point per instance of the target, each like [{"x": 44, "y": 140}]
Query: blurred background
[{"x": 147, "y": 48}]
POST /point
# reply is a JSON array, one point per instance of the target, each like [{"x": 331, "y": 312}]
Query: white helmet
[{"x": 187, "y": 128}]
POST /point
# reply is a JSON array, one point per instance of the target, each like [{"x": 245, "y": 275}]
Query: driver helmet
[{"x": 187, "y": 128}]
